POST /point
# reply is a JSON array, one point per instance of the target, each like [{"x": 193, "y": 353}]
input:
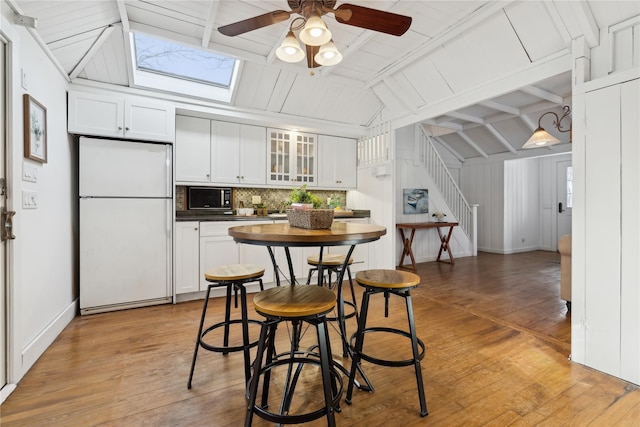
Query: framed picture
[
  {"x": 415, "y": 200},
  {"x": 35, "y": 130}
]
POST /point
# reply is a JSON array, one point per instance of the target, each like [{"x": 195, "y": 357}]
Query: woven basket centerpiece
[{"x": 313, "y": 219}]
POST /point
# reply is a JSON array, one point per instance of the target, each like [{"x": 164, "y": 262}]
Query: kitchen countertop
[{"x": 275, "y": 216}]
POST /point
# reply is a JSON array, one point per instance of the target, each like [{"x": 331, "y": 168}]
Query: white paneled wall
[{"x": 521, "y": 205}]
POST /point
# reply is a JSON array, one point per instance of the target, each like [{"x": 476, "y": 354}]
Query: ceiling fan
[{"x": 314, "y": 33}]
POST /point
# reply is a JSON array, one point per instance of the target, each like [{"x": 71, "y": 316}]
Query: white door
[{"x": 564, "y": 202}]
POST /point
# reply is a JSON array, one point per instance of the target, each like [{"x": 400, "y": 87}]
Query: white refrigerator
[{"x": 126, "y": 206}]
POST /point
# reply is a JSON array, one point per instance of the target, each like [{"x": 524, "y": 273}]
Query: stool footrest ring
[
  {"x": 226, "y": 349},
  {"x": 387, "y": 362}
]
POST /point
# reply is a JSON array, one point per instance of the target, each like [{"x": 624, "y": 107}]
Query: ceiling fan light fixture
[
  {"x": 315, "y": 32},
  {"x": 290, "y": 50},
  {"x": 328, "y": 54},
  {"x": 541, "y": 138}
]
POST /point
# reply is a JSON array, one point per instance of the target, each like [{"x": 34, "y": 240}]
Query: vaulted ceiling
[{"x": 477, "y": 74}]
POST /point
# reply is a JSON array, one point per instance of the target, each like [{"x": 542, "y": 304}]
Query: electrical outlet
[{"x": 29, "y": 200}]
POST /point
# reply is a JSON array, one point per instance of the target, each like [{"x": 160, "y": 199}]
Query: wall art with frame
[
  {"x": 415, "y": 200},
  {"x": 35, "y": 129}
]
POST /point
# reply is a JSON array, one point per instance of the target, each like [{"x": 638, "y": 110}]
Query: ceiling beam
[
  {"x": 543, "y": 94},
  {"x": 473, "y": 144},
  {"x": 583, "y": 15},
  {"x": 445, "y": 124},
  {"x": 208, "y": 27},
  {"x": 554, "y": 14},
  {"x": 124, "y": 16},
  {"x": 500, "y": 138},
  {"x": 533, "y": 126},
  {"x": 106, "y": 33},
  {"x": 500, "y": 107},
  {"x": 467, "y": 117},
  {"x": 449, "y": 148}
]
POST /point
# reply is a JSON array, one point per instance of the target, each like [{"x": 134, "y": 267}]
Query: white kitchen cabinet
[
  {"x": 337, "y": 162},
  {"x": 211, "y": 151},
  {"x": 291, "y": 158},
  {"x": 187, "y": 241},
  {"x": 193, "y": 149},
  {"x": 120, "y": 116},
  {"x": 216, "y": 248},
  {"x": 238, "y": 153}
]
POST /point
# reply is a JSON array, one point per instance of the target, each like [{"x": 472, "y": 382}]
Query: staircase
[{"x": 446, "y": 184}]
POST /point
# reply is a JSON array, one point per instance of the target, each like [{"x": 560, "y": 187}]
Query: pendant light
[
  {"x": 315, "y": 32},
  {"x": 328, "y": 54},
  {"x": 542, "y": 138},
  {"x": 290, "y": 50}
]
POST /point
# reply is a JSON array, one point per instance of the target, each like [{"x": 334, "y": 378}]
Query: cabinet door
[
  {"x": 346, "y": 163},
  {"x": 225, "y": 152},
  {"x": 94, "y": 114},
  {"x": 148, "y": 119},
  {"x": 216, "y": 251},
  {"x": 336, "y": 162},
  {"x": 279, "y": 147},
  {"x": 193, "y": 145},
  {"x": 304, "y": 158},
  {"x": 253, "y": 155},
  {"x": 187, "y": 257}
]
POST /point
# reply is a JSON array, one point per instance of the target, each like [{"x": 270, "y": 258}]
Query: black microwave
[{"x": 209, "y": 198}]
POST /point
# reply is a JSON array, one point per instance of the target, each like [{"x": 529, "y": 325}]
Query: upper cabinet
[
  {"x": 210, "y": 151},
  {"x": 337, "y": 162},
  {"x": 291, "y": 158},
  {"x": 120, "y": 116}
]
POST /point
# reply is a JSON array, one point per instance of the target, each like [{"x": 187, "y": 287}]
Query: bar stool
[
  {"x": 296, "y": 304},
  {"x": 234, "y": 277},
  {"x": 388, "y": 282},
  {"x": 333, "y": 264}
]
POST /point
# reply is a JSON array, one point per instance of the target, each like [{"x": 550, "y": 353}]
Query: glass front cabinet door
[{"x": 291, "y": 157}]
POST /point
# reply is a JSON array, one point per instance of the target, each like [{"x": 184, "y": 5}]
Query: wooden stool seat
[
  {"x": 294, "y": 301},
  {"x": 328, "y": 260},
  {"x": 233, "y": 272},
  {"x": 388, "y": 279}
]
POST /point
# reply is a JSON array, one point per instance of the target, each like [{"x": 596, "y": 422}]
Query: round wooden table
[{"x": 284, "y": 235}]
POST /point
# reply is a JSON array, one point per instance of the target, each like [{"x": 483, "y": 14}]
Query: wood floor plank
[{"x": 497, "y": 337}]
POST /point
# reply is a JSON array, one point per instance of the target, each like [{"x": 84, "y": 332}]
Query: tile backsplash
[{"x": 274, "y": 199}]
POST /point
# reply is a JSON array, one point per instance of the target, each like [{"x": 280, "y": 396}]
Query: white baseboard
[
  {"x": 6, "y": 391},
  {"x": 37, "y": 347}
]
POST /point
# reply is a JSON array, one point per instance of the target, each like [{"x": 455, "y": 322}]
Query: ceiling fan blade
[
  {"x": 254, "y": 23},
  {"x": 311, "y": 54},
  {"x": 374, "y": 19}
]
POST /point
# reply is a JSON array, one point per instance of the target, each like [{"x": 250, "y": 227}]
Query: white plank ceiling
[{"x": 462, "y": 50}]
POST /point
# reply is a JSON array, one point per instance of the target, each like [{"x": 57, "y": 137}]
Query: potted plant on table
[
  {"x": 305, "y": 210},
  {"x": 439, "y": 215}
]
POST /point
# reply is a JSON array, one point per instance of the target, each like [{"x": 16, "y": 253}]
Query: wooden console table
[{"x": 408, "y": 241}]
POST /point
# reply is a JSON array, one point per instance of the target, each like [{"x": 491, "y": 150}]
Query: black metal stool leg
[
  {"x": 199, "y": 337},
  {"x": 416, "y": 357},
  {"x": 355, "y": 358},
  {"x": 245, "y": 333},
  {"x": 255, "y": 379},
  {"x": 227, "y": 316},
  {"x": 329, "y": 390}
]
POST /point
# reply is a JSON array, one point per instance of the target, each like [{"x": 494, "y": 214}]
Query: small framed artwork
[
  {"x": 35, "y": 130},
  {"x": 415, "y": 200}
]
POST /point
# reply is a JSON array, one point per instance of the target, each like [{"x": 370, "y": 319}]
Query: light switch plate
[
  {"x": 29, "y": 199},
  {"x": 29, "y": 172}
]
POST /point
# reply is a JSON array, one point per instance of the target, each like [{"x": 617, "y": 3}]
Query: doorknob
[
  {"x": 560, "y": 207},
  {"x": 6, "y": 225}
]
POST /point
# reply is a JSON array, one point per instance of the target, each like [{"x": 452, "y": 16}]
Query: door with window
[{"x": 564, "y": 192}]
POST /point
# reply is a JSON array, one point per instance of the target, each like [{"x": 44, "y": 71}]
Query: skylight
[{"x": 169, "y": 66}]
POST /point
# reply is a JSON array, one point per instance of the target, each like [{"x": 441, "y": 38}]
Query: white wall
[{"x": 42, "y": 282}]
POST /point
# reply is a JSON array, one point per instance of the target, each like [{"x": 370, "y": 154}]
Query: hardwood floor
[{"x": 497, "y": 337}]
